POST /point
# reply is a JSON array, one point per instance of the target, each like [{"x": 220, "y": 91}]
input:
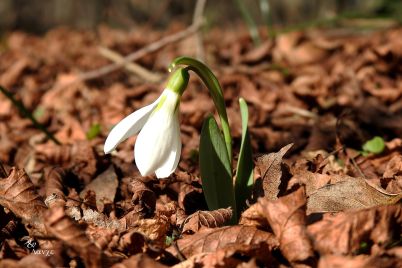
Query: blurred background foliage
[{"x": 38, "y": 16}]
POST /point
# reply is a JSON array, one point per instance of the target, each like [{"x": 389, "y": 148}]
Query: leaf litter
[{"x": 325, "y": 202}]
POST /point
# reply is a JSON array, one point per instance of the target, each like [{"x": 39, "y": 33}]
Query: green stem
[
  {"x": 252, "y": 26},
  {"x": 215, "y": 90},
  {"x": 24, "y": 111}
]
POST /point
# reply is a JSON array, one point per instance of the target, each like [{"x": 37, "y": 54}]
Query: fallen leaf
[
  {"x": 361, "y": 261},
  {"x": 271, "y": 172},
  {"x": 287, "y": 218},
  {"x": 351, "y": 193},
  {"x": 210, "y": 219},
  {"x": 139, "y": 261},
  {"x": 65, "y": 229},
  {"x": 142, "y": 195},
  {"x": 344, "y": 232},
  {"x": 18, "y": 194},
  {"x": 104, "y": 185},
  {"x": 211, "y": 240},
  {"x": 229, "y": 257}
]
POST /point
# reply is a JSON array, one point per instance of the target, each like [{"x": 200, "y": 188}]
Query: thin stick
[
  {"x": 197, "y": 19},
  {"x": 136, "y": 55},
  {"x": 24, "y": 111},
  {"x": 131, "y": 66},
  {"x": 357, "y": 167}
]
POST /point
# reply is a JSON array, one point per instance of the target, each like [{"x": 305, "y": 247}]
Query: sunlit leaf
[
  {"x": 216, "y": 172},
  {"x": 376, "y": 145},
  {"x": 244, "y": 175}
]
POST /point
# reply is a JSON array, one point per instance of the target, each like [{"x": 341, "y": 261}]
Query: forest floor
[{"x": 325, "y": 201}]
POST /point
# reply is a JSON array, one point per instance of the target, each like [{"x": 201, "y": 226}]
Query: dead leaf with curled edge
[
  {"x": 270, "y": 170},
  {"x": 31, "y": 260},
  {"x": 54, "y": 177},
  {"x": 142, "y": 195},
  {"x": 287, "y": 218},
  {"x": 229, "y": 257},
  {"x": 104, "y": 186},
  {"x": 65, "y": 229},
  {"x": 79, "y": 157},
  {"x": 18, "y": 194},
  {"x": 141, "y": 261},
  {"x": 351, "y": 193},
  {"x": 210, "y": 219},
  {"x": 344, "y": 232},
  {"x": 211, "y": 240},
  {"x": 360, "y": 261}
]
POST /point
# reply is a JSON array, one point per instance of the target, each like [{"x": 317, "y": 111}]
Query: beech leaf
[
  {"x": 271, "y": 172},
  {"x": 352, "y": 193}
]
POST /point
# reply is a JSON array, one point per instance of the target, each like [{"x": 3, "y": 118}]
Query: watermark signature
[{"x": 31, "y": 245}]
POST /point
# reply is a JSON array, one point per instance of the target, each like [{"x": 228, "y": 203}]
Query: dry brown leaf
[
  {"x": 287, "y": 217},
  {"x": 65, "y": 229},
  {"x": 360, "y": 261},
  {"x": 210, "y": 219},
  {"x": 351, "y": 193},
  {"x": 153, "y": 229},
  {"x": 210, "y": 240},
  {"x": 32, "y": 261},
  {"x": 270, "y": 170},
  {"x": 229, "y": 257},
  {"x": 139, "y": 261},
  {"x": 18, "y": 194},
  {"x": 131, "y": 243},
  {"x": 344, "y": 232},
  {"x": 392, "y": 176},
  {"x": 104, "y": 186},
  {"x": 54, "y": 177},
  {"x": 142, "y": 195},
  {"x": 253, "y": 217},
  {"x": 258, "y": 53},
  {"x": 79, "y": 157}
]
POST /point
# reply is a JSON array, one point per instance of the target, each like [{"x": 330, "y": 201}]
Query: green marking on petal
[{"x": 160, "y": 104}]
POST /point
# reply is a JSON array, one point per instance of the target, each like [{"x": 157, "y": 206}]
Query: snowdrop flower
[{"x": 158, "y": 145}]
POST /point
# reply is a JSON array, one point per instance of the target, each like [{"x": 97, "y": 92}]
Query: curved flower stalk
[{"x": 158, "y": 145}]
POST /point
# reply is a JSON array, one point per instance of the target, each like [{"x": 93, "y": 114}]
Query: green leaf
[
  {"x": 38, "y": 112},
  {"x": 376, "y": 145},
  {"x": 244, "y": 175},
  {"x": 93, "y": 131},
  {"x": 216, "y": 171}
]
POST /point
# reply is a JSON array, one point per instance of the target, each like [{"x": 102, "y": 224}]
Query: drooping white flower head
[{"x": 158, "y": 145}]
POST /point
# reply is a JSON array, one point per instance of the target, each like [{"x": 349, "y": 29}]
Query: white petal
[
  {"x": 128, "y": 126},
  {"x": 157, "y": 142},
  {"x": 170, "y": 164}
]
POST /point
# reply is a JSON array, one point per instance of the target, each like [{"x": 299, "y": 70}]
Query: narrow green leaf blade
[
  {"x": 244, "y": 175},
  {"x": 216, "y": 171}
]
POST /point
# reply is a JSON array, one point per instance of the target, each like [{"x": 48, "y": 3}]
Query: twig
[
  {"x": 131, "y": 66},
  {"x": 180, "y": 255},
  {"x": 135, "y": 55},
  {"x": 357, "y": 167},
  {"x": 197, "y": 19},
  {"x": 301, "y": 112},
  {"x": 24, "y": 111}
]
